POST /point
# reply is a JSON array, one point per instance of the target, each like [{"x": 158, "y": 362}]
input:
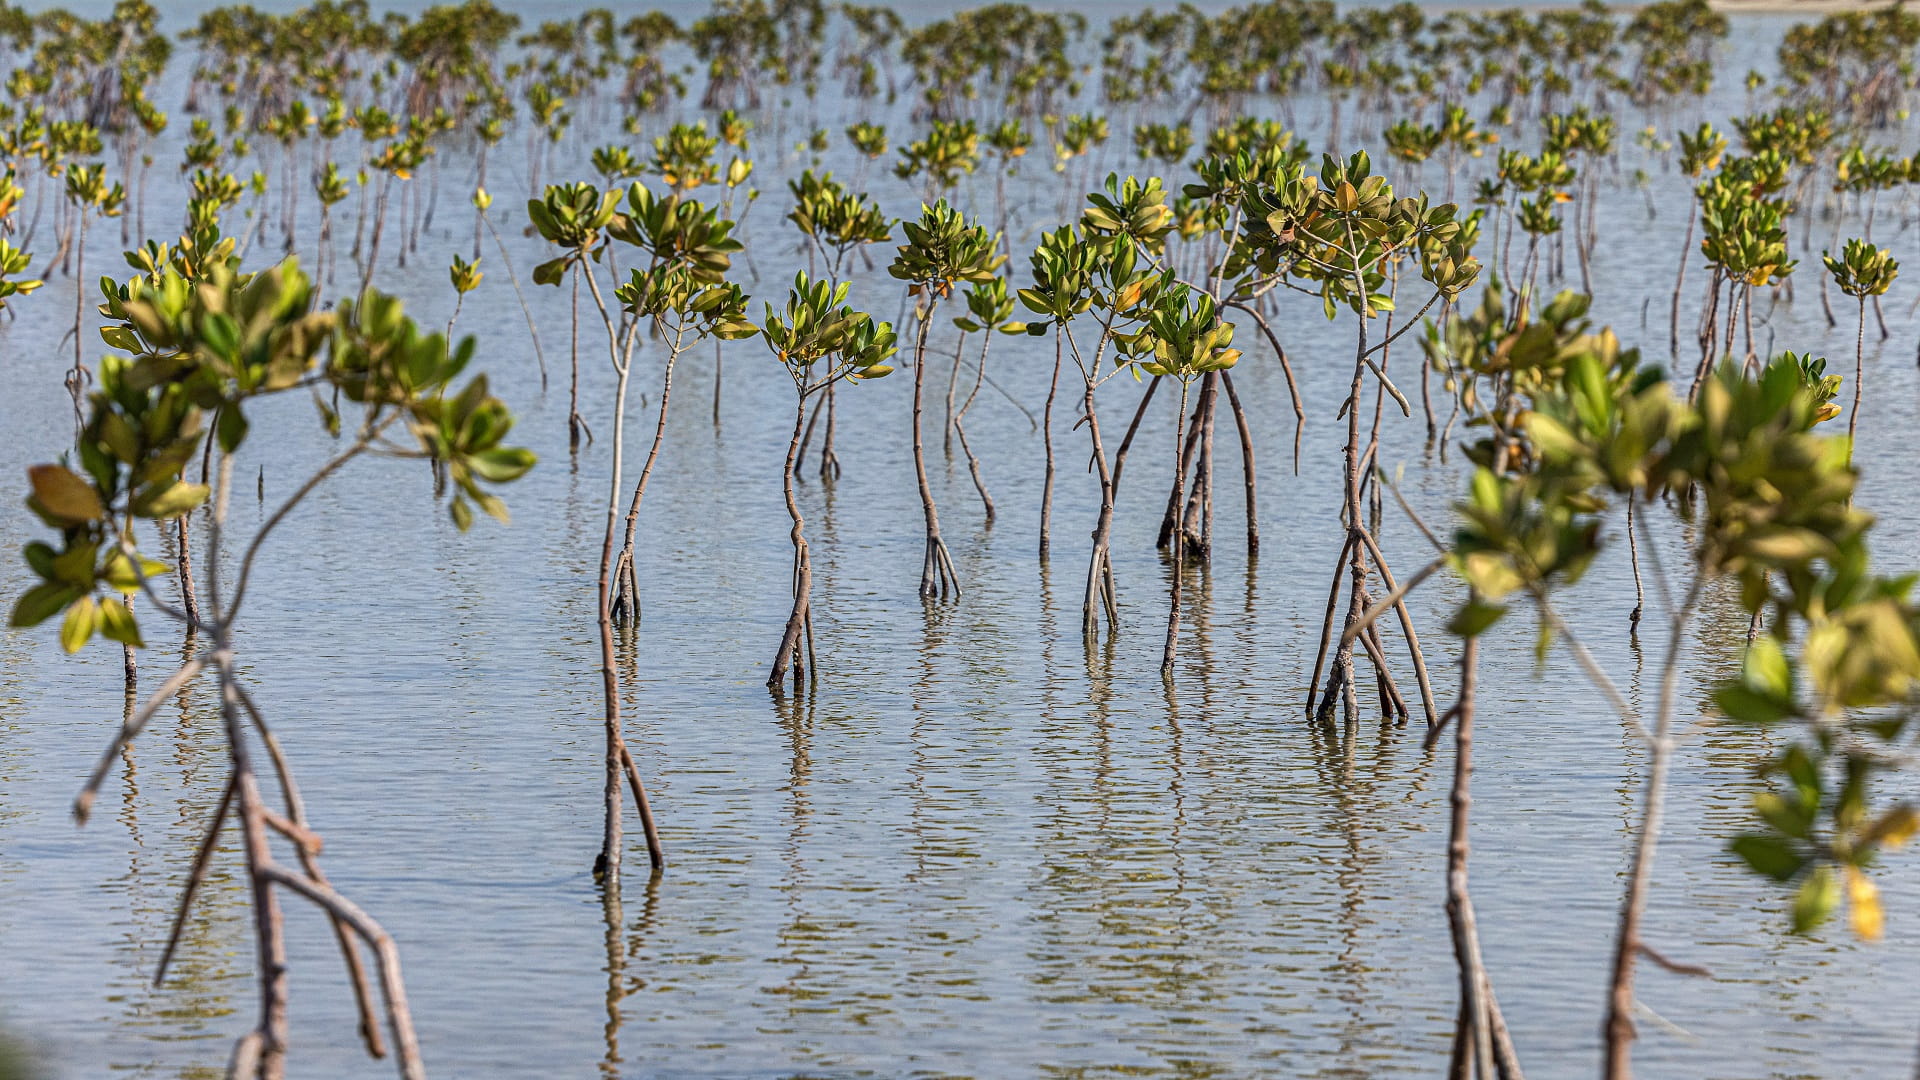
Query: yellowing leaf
[
  {"x": 1863, "y": 902},
  {"x": 116, "y": 623},
  {"x": 83, "y": 617}
]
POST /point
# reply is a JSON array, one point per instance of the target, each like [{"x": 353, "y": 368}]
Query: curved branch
[{"x": 406, "y": 1045}]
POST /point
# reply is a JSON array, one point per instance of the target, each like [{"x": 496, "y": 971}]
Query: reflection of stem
[
  {"x": 129, "y": 728},
  {"x": 196, "y": 873},
  {"x": 616, "y": 968},
  {"x": 1179, "y": 535}
]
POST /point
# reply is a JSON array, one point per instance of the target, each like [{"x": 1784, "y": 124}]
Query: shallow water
[{"x": 981, "y": 849}]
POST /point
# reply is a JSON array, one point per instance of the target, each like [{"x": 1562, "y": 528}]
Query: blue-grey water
[{"x": 980, "y": 850}]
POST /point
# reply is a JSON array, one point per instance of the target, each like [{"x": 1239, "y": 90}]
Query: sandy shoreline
[
  {"x": 1796, "y": 7},
  {"x": 1810, "y": 8}
]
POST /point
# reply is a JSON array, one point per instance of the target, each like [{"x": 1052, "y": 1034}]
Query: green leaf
[
  {"x": 231, "y": 428},
  {"x": 551, "y": 272},
  {"x": 501, "y": 465},
  {"x": 1474, "y": 618},
  {"x": 120, "y": 338},
  {"x": 116, "y": 623},
  {"x": 173, "y": 502},
  {"x": 1750, "y": 706},
  {"x": 1787, "y": 544},
  {"x": 1815, "y": 901},
  {"x": 83, "y": 617},
  {"x": 1771, "y": 856},
  {"x": 222, "y": 335},
  {"x": 1789, "y": 817},
  {"x": 119, "y": 572},
  {"x": 42, "y": 602}
]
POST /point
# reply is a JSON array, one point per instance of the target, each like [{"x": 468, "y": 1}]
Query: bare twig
[{"x": 1675, "y": 966}]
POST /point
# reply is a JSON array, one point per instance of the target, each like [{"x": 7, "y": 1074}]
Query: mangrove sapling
[
  {"x": 1576, "y": 422},
  {"x": 1009, "y": 141},
  {"x": 950, "y": 151},
  {"x": 1183, "y": 339},
  {"x": 738, "y": 169},
  {"x": 88, "y": 194},
  {"x": 397, "y": 160},
  {"x": 1062, "y": 288},
  {"x": 1138, "y": 210},
  {"x": 1225, "y": 179},
  {"x": 820, "y": 341},
  {"x": 482, "y": 200},
  {"x": 488, "y": 130},
  {"x": 942, "y": 250},
  {"x": 1067, "y": 270},
  {"x": 329, "y": 187},
  {"x": 188, "y": 347},
  {"x": 1571, "y": 134},
  {"x": 1125, "y": 228},
  {"x": 1338, "y": 231},
  {"x": 465, "y": 277},
  {"x": 1759, "y": 475},
  {"x": 1861, "y": 271},
  {"x": 834, "y": 222},
  {"x": 1700, "y": 153},
  {"x": 288, "y": 128},
  {"x": 683, "y": 295},
  {"x": 577, "y": 218},
  {"x": 1744, "y": 239},
  {"x": 572, "y": 218}
]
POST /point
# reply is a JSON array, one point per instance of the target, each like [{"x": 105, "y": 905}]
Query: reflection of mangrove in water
[
  {"x": 625, "y": 964},
  {"x": 208, "y": 965}
]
